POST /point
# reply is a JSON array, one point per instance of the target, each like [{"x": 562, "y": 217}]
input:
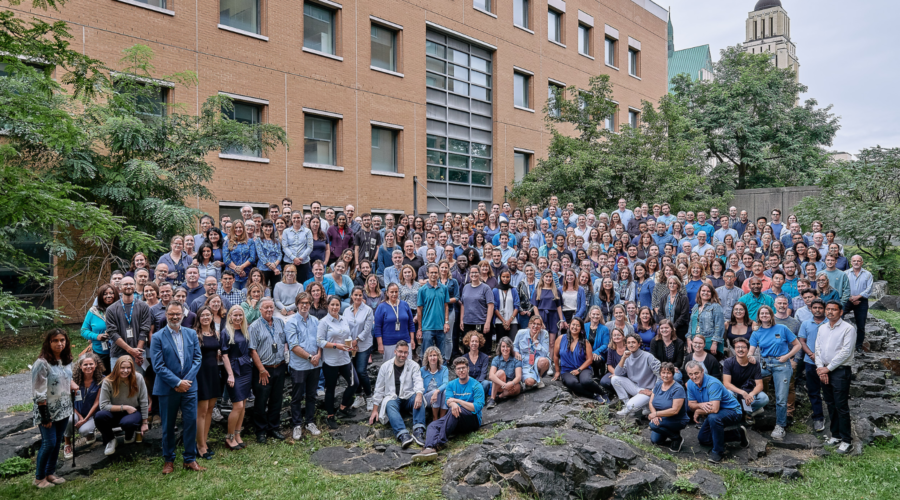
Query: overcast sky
[{"x": 848, "y": 52}]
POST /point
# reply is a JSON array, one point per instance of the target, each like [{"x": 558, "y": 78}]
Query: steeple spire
[{"x": 671, "y": 35}]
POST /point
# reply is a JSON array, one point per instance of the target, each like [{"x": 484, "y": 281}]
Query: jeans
[
  {"x": 332, "y": 373},
  {"x": 269, "y": 397},
  {"x": 759, "y": 401},
  {"x": 303, "y": 386},
  {"x": 814, "y": 391},
  {"x": 361, "y": 364},
  {"x": 48, "y": 455},
  {"x": 837, "y": 396},
  {"x": 860, "y": 314},
  {"x": 583, "y": 385},
  {"x": 712, "y": 432},
  {"x": 448, "y": 337},
  {"x": 394, "y": 409},
  {"x": 668, "y": 428},
  {"x": 432, "y": 338},
  {"x": 440, "y": 399},
  {"x": 440, "y": 430},
  {"x": 169, "y": 406},
  {"x": 107, "y": 420},
  {"x": 626, "y": 389},
  {"x": 781, "y": 379}
]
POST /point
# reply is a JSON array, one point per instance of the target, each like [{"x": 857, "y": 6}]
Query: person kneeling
[
  {"x": 465, "y": 399},
  {"x": 123, "y": 403},
  {"x": 532, "y": 347},
  {"x": 506, "y": 373},
  {"x": 708, "y": 397},
  {"x": 636, "y": 372},
  {"x": 668, "y": 413},
  {"x": 743, "y": 378},
  {"x": 399, "y": 387}
]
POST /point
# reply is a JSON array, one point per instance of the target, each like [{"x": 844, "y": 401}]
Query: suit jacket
[{"x": 164, "y": 356}]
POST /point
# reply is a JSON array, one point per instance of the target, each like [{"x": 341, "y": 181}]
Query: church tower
[{"x": 769, "y": 31}]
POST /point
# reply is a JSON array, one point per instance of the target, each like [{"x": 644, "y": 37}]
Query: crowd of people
[{"x": 681, "y": 317}]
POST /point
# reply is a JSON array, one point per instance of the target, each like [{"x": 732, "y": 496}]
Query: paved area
[{"x": 15, "y": 389}]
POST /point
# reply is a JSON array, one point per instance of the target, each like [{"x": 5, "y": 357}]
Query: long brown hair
[
  {"x": 114, "y": 379},
  {"x": 78, "y": 375},
  {"x": 47, "y": 353},
  {"x": 199, "y": 328},
  {"x": 234, "y": 240}
]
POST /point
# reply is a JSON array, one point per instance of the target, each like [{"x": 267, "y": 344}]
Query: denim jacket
[{"x": 710, "y": 323}]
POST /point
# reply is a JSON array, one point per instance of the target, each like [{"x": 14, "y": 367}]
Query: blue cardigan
[
  {"x": 441, "y": 378},
  {"x": 383, "y": 259},
  {"x": 601, "y": 338},
  {"x": 386, "y": 320},
  {"x": 93, "y": 327},
  {"x": 582, "y": 302}
]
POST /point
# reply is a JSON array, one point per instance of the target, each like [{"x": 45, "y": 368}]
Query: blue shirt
[
  {"x": 772, "y": 342},
  {"x": 391, "y": 275},
  {"x": 860, "y": 285},
  {"x": 470, "y": 392},
  {"x": 664, "y": 400},
  {"x": 508, "y": 366},
  {"x": 754, "y": 303},
  {"x": 296, "y": 244},
  {"x": 809, "y": 330},
  {"x": 302, "y": 333},
  {"x": 179, "y": 344},
  {"x": 432, "y": 300},
  {"x": 712, "y": 390}
]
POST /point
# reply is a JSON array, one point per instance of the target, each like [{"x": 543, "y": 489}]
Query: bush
[{"x": 15, "y": 466}]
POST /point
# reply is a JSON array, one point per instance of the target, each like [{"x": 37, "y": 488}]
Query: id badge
[
  {"x": 104, "y": 345},
  {"x": 78, "y": 395},
  {"x": 531, "y": 359},
  {"x": 129, "y": 333},
  {"x": 274, "y": 348},
  {"x": 479, "y": 328},
  {"x": 397, "y": 326}
]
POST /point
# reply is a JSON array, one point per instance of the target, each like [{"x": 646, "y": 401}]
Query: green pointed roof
[
  {"x": 671, "y": 34},
  {"x": 689, "y": 61}
]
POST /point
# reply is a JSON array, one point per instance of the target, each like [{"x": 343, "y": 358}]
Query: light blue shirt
[
  {"x": 721, "y": 233},
  {"x": 809, "y": 330},
  {"x": 860, "y": 285},
  {"x": 391, "y": 275},
  {"x": 302, "y": 333},
  {"x": 179, "y": 344},
  {"x": 296, "y": 244}
]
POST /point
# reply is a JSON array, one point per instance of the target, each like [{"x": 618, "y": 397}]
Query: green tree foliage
[
  {"x": 752, "y": 124},
  {"x": 860, "y": 201},
  {"x": 661, "y": 160}
]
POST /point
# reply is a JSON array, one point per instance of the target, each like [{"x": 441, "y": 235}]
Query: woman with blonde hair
[
  {"x": 123, "y": 403},
  {"x": 435, "y": 378},
  {"x": 285, "y": 294},
  {"x": 240, "y": 253},
  {"x": 251, "y": 304},
  {"x": 236, "y": 358}
]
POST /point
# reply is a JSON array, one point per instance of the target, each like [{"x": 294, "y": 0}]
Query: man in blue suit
[{"x": 175, "y": 354}]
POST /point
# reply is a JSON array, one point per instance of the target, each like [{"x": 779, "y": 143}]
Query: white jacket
[{"x": 410, "y": 385}]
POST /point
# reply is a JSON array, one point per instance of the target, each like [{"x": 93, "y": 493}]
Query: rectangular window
[
  {"x": 148, "y": 99},
  {"x": 319, "y": 141},
  {"x": 248, "y": 113},
  {"x": 554, "y": 26},
  {"x": 611, "y": 52},
  {"x": 520, "y": 90},
  {"x": 384, "y": 49},
  {"x": 484, "y": 5},
  {"x": 633, "y": 60},
  {"x": 155, "y": 3},
  {"x": 552, "y": 91},
  {"x": 520, "y": 13},
  {"x": 384, "y": 149},
  {"x": 610, "y": 122},
  {"x": 521, "y": 165},
  {"x": 318, "y": 28},
  {"x": 584, "y": 39},
  {"x": 634, "y": 118},
  {"x": 239, "y": 14}
]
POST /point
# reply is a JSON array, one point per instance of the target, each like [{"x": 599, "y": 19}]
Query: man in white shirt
[
  {"x": 399, "y": 387},
  {"x": 835, "y": 342}
]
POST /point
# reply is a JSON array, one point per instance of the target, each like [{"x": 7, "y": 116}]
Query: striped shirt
[{"x": 268, "y": 341}]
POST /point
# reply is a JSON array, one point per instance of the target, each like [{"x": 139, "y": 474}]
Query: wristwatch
[{"x": 309, "y": 358}]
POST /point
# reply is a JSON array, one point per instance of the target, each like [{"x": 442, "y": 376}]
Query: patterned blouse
[
  {"x": 410, "y": 294},
  {"x": 51, "y": 384}
]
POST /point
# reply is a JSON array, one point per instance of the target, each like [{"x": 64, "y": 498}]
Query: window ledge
[
  {"x": 524, "y": 109},
  {"x": 255, "y": 159},
  {"x": 321, "y": 166},
  {"x": 242, "y": 32},
  {"x": 587, "y": 55},
  {"x": 486, "y": 12},
  {"x": 386, "y": 71},
  {"x": 388, "y": 174},
  {"x": 608, "y": 65},
  {"x": 523, "y": 28},
  {"x": 556, "y": 43},
  {"x": 148, "y": 7},
  {"x": 634, "y": 76},
  {"x": 323, "y": 54}
]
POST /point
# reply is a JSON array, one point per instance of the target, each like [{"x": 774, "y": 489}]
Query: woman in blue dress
[
  {"x": 239, "y": 366},
  {"x": 548, "y": 302},
  {"x": 240, "y": 254},
  {"x": 268, "y": 253}
]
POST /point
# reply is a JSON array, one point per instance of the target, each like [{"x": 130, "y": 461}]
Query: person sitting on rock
[
  {"x": 744, "y": 380},
  {"x": 573, "y": 357},
  {"x": 532, "y": 347},
  {"x": 435, "y": 377},
  {"x": 505, "y": 375},
  {"x": 708, "y": 397},
  {"x": 465, "y": 399},
  {"x": 399, "y": 387},
  {"x": 637, "y": 372},
  {"x": 668, "y": 413},
  {"x": 123, "y": 403}
]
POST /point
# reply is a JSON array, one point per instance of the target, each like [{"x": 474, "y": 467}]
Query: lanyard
[
  {"x": 271, "y": 330},
  {"x": 129, "y": 312}
]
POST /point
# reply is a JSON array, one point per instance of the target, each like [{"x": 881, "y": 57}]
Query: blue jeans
[
  {"x": 432, "y": 338},
  {"x": 759, "y": 401},
  {"x": 781, "y": 379},
  {"x": 361, "y": 363},
  {"x": 394, "y": 408},
  {"x": 169, "y": 406},
  {"x": 49, "y": 453},
  {"x": 668, "y": 428},
  {"x": 713, "y": 430},
  {"x": 814, "y": 390}
]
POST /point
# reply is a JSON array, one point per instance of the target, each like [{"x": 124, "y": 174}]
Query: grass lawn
[
  {"x": 18, "y": 350},
  {"x": 891, "y": 317}
]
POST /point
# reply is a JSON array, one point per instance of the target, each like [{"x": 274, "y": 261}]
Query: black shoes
[
  {"x": 275, "y": 435},
  {"x": 347, "y": 412},
  {"x": 419, "y": 436},
  {"x": 332, "y": 423},
  {"x": 675, "y": 446},
  {"x": 261, "y": 438},
  {"x": 405, "y": 440},
  {"x": 714, "y": 458}
]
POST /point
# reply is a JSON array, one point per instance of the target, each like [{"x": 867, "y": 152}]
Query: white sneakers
[
  {"x": 843, "y": 449},
  {"x": 778, "y": 433},
  {"x": 359, "y": 402},
  {"x": 110, "y": 447},
  {"x": 321, "y": 393},
  {"x": 625, "y": 412},
  {"x": 540, "y": 384},
  {"x": 833, "y": 441},
  {"x": 311, "y": 427},
  {"x": 298, "y": 433}
]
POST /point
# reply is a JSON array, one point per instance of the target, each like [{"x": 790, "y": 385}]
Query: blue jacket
[
  {"x": 441, "y": 378},
  {"x": 383, "y": 259},
  {"x": 267, "y": 251},
  {"x": 601, "y": 337},
  {"x": 169, "y": 370},
  {"x": 241, "y": 253},
  {"x": 582, "y": 303},
  {"x": 515, "y": 299},
  {"x": 93, "y": 327}
]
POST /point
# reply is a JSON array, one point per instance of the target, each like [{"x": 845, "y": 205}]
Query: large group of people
[{"x": 682, "y": 317}]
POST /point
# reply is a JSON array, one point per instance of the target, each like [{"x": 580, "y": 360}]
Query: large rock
[
  {"x": 709, "y": 484},
  {"x": 640, "y": 484},
  {"x": 21, "y": 444},
  {"x": 10, "y": 423},
  {"x": 794, "y": 441},
  {"x": 355, "y": 460}
]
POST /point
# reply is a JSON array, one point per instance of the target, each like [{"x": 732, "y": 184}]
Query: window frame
[
  {"x": 560, "y": 26},
  {"x": 610, "y": 49},
  {"x": 528, "y": 156},
  {"x": 551, "y": 85},
  {"x": 526, "y": 14},
  {"x": 527, "y": 78},
  {"x": 260, "y": 23},
  {"x": 634, "y": 62},
  {"x": 636, "y": 123},
  {"x": 335, "y": 10},
  {"x": 396, "y": 132},
  {"x": 588, "y": 39},
  {"x": 335, "y": 120},
  {"x": 262, "y": 105}
]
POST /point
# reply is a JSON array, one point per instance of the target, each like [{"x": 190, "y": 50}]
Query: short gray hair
[
  {"x": 395, "y": 252},
  {"x": 693, "y": 364}
]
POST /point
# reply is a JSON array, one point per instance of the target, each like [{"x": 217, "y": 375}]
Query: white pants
[
  {"x": 86, "y": 428},
  {"x": 629, "y": 392}
]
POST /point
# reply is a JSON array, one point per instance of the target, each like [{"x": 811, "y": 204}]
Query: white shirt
[{"x": 835, "y": 345}]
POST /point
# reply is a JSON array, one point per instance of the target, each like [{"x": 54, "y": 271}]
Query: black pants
[
  {"x": 267, "y": 407},
  {"x": 104, "y": 357},
  {"x": 332, "y": 373},
  {"x": 304, "y": 383},
  {"x": 836, "y": 394},
  {"x": 303, "y": 271},
  {"x": 503, "y": 332},
  {"x": 583, "y": 385},
  {"x": 106, "y": 420},
  {"x": 271, "y": 279},
  {"x": 860, "y": 314}
]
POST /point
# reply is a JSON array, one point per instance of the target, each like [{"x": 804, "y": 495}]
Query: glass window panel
[
  {"x": 483, "y": 5},
  {"x": 632, "y": 62},
  {"x": 437, "y": 157},
  {"x": 433, "y": 80},
  {"x": 319, "y": 141},
  {"x": 458, "y": 176},
  {"x": 435, "y": 142},
  {"x": 520, "y": 13},
  {"x": 480, "y": 79},
  {"x": 458, "y": 72},
  {"x": 584, "y": 39},
  {"x": 437, "y": 174},
  {"x": 520, "y": 165},
  {"x": 459, "y": 57},
  {"x": 482, "y": 179},
  {"x": 240, "y": 14},
  {"x": 435, "y": 65},
  {"x": 481, "y": 64},
  {"x": 459, "y": 161},
  {"x": 458, "y": 87},
  {"x": 482, "y": 164},
  {"x": 481, "y": 150},
  {"x": 247, "y": 114},
  {"x": 383, "y": 51},
  {"x": 435, "y": 49},
  {"x": 459, "y": 146},
  {"x": 318, "y": 28},
  {"x": 384, "y": 149},
  {"x": 480, "y": 93},
  {"x": 520, "y": 90},
  {"x": 553, "y": 32},
  {"x": 551, "y": 99},
  {"x": 610, "y": 52}
]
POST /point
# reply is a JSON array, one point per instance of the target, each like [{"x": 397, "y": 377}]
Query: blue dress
[
  {"x": 569, "y": 360},
  {"x": 241, "y": 364},
  {"x": 692, "y": 287},
  {"x": 242, "y": 252},
  {"x": 548, "y": 308}
]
